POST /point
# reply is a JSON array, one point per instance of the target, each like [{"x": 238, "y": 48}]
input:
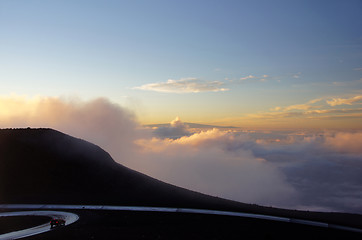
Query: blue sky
[{"x": 227, "y": 60}]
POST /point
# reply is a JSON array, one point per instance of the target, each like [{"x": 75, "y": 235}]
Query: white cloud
[
  {"x": 324, "y": 167},
  {"x": 175, "y": 129},
  {"x": 205, "y": 162},
  {"x": 247, "y": 77},
  {"x": 98, "y": 121},
  {"x": 345, "y": 142},
  {"x": 263, "y": 78},
  {"x": 316, "y": 170},
  {"x": 185, "y": 85},
  {"x": 297, "y": 75}
]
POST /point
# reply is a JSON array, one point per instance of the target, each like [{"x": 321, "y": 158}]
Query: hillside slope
[{"x": 46, "y": 166}]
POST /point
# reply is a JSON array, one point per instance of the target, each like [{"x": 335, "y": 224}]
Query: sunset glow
[{"x": 256, "y": 97}]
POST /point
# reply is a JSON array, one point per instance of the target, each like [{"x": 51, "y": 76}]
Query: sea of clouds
[{"x": 312, "y": 170}]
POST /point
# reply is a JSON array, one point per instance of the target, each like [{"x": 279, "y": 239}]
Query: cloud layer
[
  {"x": 307, "y": 170},
  {"x": 202, "y": 162},
  {"x": 323, "y": 167}
]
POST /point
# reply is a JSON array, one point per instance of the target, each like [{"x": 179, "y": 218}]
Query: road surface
[
  {"x": 175, "y": 210},
  {"x": 68, "y": 217}
]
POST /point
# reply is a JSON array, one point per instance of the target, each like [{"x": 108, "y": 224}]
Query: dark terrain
[
  {"x": 44, "y": 166},
  {"x": 138, "y": 225},
  {"x": 10, "y": 224}
]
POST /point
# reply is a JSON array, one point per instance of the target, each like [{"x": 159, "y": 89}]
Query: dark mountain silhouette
[{"x": 44, "y": 166}]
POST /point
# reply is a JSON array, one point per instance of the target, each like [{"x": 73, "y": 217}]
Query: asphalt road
[
  {"x": 180, "y": 210},
  {"x": 68, "y": 217}
]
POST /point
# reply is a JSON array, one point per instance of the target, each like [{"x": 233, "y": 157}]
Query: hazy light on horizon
[{"x": 313, "y": 170}]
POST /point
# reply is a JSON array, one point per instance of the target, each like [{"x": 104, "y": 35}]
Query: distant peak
[{"x": 176, "y": 122}]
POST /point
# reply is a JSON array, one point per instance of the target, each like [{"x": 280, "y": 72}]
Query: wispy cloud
[
  {"x": 346, "y": 83},
  {"x": 262, "y": 78},
  {"x": 185, "y": 85},
  {"x": 305, "y": 106},
  {"x": 356, "y": 110},
  {"x": 298, "y": 107},
  {"x": 247, "y": 77},
  {"x": 274, "y": 115},
  {"x": 344, "y": 101},
  {"x": 308, "y": 114},
  {"x": 315, "y": 100},
  {"x": 311, "y": 110},
  {"x": 297, "y": 75}
]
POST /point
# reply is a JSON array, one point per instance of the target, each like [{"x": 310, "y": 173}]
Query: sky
[
  {"x": 286, "y": 74},
  {"x": 252, "y": 64}
]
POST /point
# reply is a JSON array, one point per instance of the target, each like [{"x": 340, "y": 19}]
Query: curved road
[
  {"x": 181, "y": 210},
  {"x": 68, "y": 217}
]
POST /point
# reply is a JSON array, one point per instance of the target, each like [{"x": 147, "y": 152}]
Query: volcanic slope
[
  {"x": 47, "y": 166},
  {"x": 44, "y": 166}
]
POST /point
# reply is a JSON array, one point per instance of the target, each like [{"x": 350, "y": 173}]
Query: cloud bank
[
  {"x": 98, "y": 121},
  {"x": 306, "y": 170}
]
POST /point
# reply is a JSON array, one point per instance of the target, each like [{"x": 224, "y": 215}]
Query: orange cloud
[
  {"x": 305, "y": 106},
  {"x": 344, "y": 101}
]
